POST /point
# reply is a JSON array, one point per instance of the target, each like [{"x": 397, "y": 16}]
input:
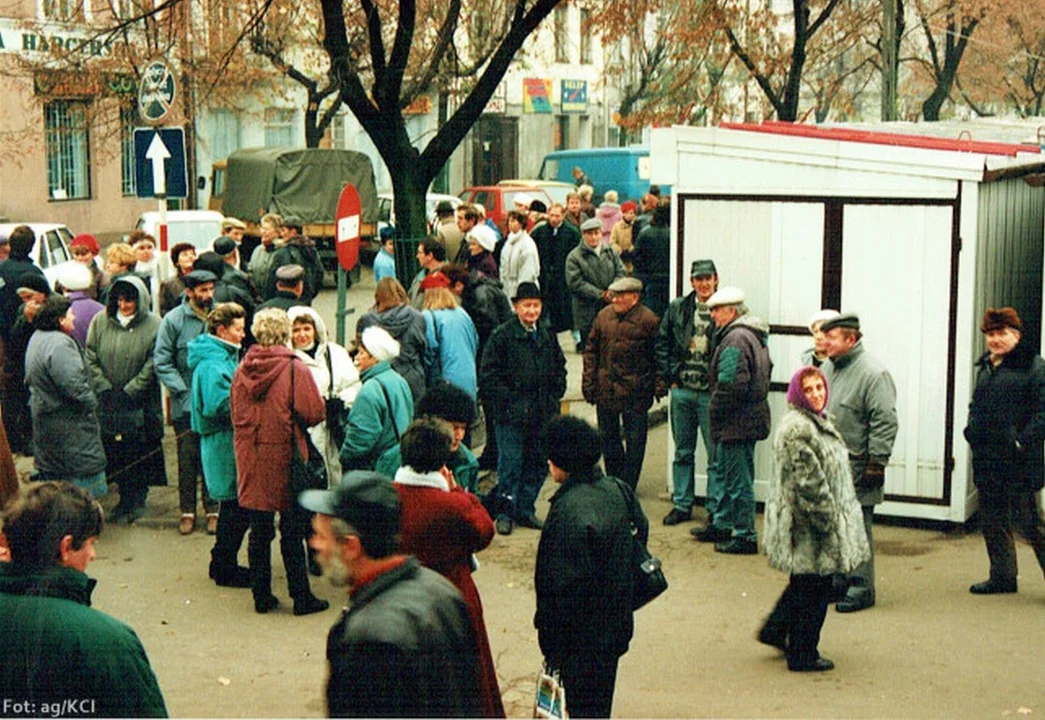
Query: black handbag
[
  {"x": 647, "y": 577},
  {"x": 337, "y": 416},
  {"x": 308, "y": 473}
]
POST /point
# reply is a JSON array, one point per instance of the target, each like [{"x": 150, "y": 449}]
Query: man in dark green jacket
[{"x": 61, "y": 657}]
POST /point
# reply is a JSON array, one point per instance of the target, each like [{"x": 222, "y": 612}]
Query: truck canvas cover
[{"x": 303, "y": 182}]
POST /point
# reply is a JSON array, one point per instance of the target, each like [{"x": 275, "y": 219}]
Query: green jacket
[
  {"x": 213, "y": 363},
  {"x": 375, "y": 423},
  {"x": 57, "y": 649},
  {"x": 464, "y": 465}
]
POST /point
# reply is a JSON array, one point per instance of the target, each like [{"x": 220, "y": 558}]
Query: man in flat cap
[
  {"x": 298, "y": 250},
  {"x": 233, "y": 228},
  {"x": 225, "y": 246},
  {"x": 290, "y": 284},
  {"x": 862, "y": 400},
  {"x": 739, "y": 414},
  {"x": 590, "y": 268},
  {"x": 522, "y": 377},
  {"x": 619, "y": 377},
  {"x": 170, "y": 357},
  {"x": 446, "y": 228},
  {"x": 1005, "y": 433},
  {"x": 405, "y": 646},
  {"x": 683, "y": 355}
]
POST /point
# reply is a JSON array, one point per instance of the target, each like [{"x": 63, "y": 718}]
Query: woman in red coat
[
  {"x": 444, "y": 525},
  {"x": 262, "y": 432}
]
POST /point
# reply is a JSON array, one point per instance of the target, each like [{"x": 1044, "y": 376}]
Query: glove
[{"x": 874, "y": 476}]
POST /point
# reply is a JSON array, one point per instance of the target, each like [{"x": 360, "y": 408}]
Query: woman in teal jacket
[
  {"x": 213, "y": 359},
  {"x": 384, "y": 407}
]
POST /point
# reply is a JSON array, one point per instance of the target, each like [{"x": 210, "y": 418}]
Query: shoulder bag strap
[
  {"x": 293, "y": 409},
  {"x": 388, "y": 404}
]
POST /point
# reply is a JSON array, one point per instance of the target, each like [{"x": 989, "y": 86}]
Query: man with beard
[
  {"x": 405, "y": 646},
  {"x": 178, "y": 327}
]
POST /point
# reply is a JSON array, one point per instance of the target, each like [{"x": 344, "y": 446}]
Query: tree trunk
[
  {"x": 409, "y": 186},
  {"x": 312, "y": 132}
]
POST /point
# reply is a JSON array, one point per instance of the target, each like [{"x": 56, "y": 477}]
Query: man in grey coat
[
  {"x": 863, "y": 403},
  {"x": 590, "y": 268},
  {"x": 170, "y": 358}
]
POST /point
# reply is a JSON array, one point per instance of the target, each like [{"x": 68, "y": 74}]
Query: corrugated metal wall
[{"x": 1009, "y": 253}]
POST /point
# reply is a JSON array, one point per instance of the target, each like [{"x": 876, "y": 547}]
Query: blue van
[{"x": 624, "y": 169}]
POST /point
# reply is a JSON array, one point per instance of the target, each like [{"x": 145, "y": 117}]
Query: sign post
[{"x": 348, "y": 219}]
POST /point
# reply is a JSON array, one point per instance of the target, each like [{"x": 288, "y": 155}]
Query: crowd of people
[{"x": 365, "y": 453}]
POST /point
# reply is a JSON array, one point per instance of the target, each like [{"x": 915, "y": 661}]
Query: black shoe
[
  {"x": 504, "y": 525},
  {"x": 265, "y": 603},
  {"x": 773, "y": 638},
  {"x": 530, "y": 521},
  {"x": 677, "y": 516},
  {"x": 855, "y": 603},
  {"x": 711, "y": 534},
  {"x": 819, "y": 665},
  {"x": 993, "y": 587},
  {"x": 736, "y": 546},
  {"x": 235, "y": 576},
  {"x": 309, "y": 604}
]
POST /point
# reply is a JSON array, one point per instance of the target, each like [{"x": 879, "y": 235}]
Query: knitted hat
[
  {"x": 380, "y": 344},
  {"x": 435, "y": 280},
  {"x": 1000, "y": 318},
  {"x": 483, "y": 235},
  {"x": 87, "y": 241}
]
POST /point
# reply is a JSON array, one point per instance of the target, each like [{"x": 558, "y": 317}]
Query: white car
[
  {"x": 386, "y": 207},
  {"x": 197, "y": 227},
  {"x": 51, "y": 247}
]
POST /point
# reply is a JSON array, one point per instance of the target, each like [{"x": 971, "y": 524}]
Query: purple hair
[{"x": 796, "y": 397}]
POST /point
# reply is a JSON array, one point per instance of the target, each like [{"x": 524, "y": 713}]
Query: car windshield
[
  {"x": 198, "y": 232},
  {"x": 549, "y": 170},
  {"x": 558, "y": 194}
]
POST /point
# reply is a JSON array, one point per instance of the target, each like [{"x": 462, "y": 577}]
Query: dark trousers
[
  {"x": 293, "y": 527},
  {"x": 1001, "y": 509},
  {"x": 624, "y": 452},
  {"x": 798, "y": 617},
  {"x": 589, "y": 681},
  {"x": 489, "y": 456},
  {"x": 190, "y": 470},
  {"x": 233, "y": 522},
  {"x": 17, "y": 417}
]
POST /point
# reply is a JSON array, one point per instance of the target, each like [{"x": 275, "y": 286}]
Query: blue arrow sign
[{"x": 159, "y": 162}]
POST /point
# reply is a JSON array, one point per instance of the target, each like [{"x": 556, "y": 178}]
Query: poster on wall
[
  {"x": 574, "y": 96},
  {"x": 537, "y": 95}
]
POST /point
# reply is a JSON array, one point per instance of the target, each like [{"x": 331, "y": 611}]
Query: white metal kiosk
[{"x": 917, "y": 235}]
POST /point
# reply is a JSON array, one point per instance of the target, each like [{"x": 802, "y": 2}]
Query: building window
[
  {"x": 64, "y": 10},
  {"x": 337, "y": 132},
  {"x": 68, "y": 156},
  {"x": 586, "y": 37},
  {"x": 224, "y": 134},
  {"x": 279, "y": 127},
  {"x": 562, "y": 37},
  {"x": 128, "y": 116}
]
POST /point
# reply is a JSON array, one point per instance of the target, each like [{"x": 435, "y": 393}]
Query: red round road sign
[{"x": 349, "y": 218}]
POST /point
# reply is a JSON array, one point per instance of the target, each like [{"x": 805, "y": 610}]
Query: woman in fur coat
[{"x": 813, "y": 522}]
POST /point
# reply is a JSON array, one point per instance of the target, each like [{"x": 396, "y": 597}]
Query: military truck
[{"x": 303, "y": 182}]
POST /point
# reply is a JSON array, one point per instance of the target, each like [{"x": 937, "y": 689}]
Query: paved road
[{"x": 929, "y": 649}]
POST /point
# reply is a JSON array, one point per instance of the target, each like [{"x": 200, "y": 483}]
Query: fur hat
[
  {"x": 1000, "y": 318},
  {"x": 72, "y": 275},
  {"x": 380, "y": 344},
  {"x": 572, "y": 444}
]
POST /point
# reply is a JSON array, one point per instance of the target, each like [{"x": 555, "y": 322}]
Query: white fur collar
[{"x": 406, "y": 475}]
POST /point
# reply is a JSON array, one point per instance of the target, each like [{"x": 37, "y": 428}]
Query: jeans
[
  {"x": 293, "y": 528},
  {"x": 521, "y": 470},
  {"x": 799, "y": 616},
  {"x": 736, "y": 465},
  {"x": 623, "y": 456},
  {"x": 689, "y": 413},
  {"x": 190, "y": 470},
  {"x": 1002, "y": 508}
]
